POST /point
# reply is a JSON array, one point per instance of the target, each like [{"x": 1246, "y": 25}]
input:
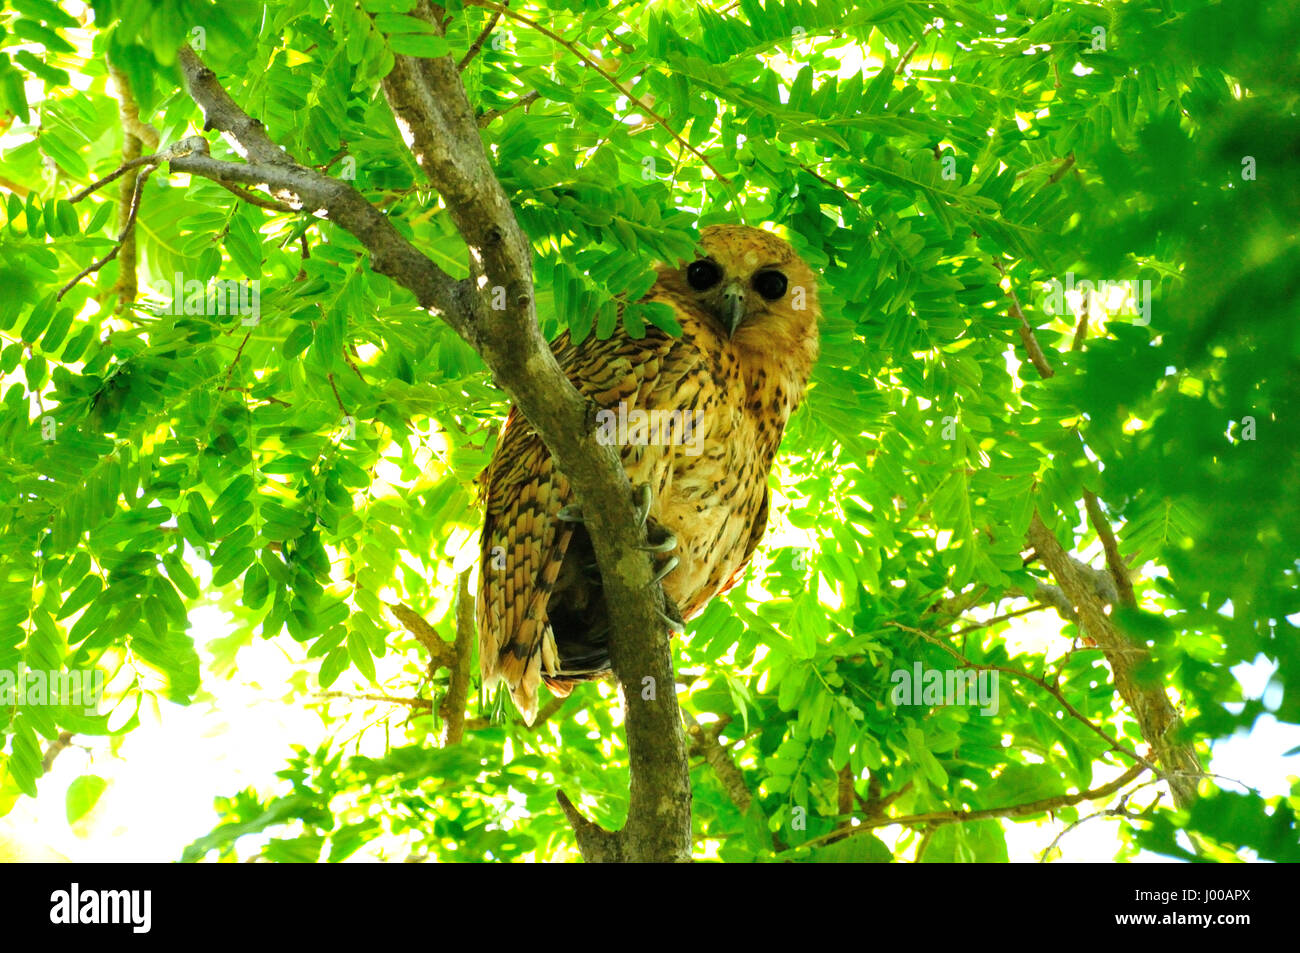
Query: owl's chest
[{"x": 713, "y": 488}]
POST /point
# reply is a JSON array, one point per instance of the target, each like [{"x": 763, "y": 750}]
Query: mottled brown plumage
[{"x": 736, "y": 373}]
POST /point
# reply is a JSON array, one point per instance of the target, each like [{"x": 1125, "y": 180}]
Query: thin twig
[
  {"x": 902, "y": 64},
  {"x": 1036, "y": 355},
  {"x": 123, "y": 169},
  {"x": 478, "y": 43},
  {"x": 1059, "y": 174},
  {"x": 126, "y": 232},
  {"x": 591, "y": 61},
  {"x": 261, "y": 201},
  {"x": 57, "y": 747},
  {"x": 1002, "y": 618},
  {"x": 1114, "y": 562},
  {"x": 339, "y": 400},
  {"x": 1081, "y": 328},
  {"x": 524, "y": 100},
  {"x": 1041, "y": 683},
  {"x": 959, "y": 817},
  {"x": 389, "y": 699},
  {"x": 527, "y": 99}
]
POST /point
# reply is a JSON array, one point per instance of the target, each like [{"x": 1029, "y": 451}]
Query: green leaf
[
  {"x": 422, "y": 45},
  {"x": 257, "y": 587},
  {"x": 360, "y": 654},
  {"x": 83, "y": 794}
]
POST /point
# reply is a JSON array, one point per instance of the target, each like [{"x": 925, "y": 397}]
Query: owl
[{"x": 697, "y": 420}]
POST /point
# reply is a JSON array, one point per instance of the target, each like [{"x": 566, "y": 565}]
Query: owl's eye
[
  {"x": 703, "y": 274},
  {"x": 770, "y": 284}
]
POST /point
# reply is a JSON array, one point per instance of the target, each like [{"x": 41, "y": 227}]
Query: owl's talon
[
  {"x": 669, "y": 565},
  {"x": 660, "y": 540},
  {"x": 672, "y": 617},
  {"x": 570, "y": 514},
  {"x": 645, "y": 497},
  {"x": 667, "y": 546},
  {"x": 676, "y": 625}
]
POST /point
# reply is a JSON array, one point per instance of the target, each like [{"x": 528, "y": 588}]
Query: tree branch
[
  {"x": 388, "y": 699},
  {"x": 125, "y": 238},
  {"x": 452, "y": 709},
  {"x": 479, "y": 41},
  {"x": 1147, "y": 699},
  {"x": 1032, "y": 347},
  {"x": 1040, "y": 682},
  {"x": 135, "y": 135},
  {"x": 429, "y": 103},
  {"x": 958, "y": 817},
  {"x": 524, "y": 100},
  {"x": 1114, "y": 562},
  {"x": 56, "y": 748},
  {"x": 705, "y": 739},
  {"x": 440, "y": 653},
  {"x": 588, "y": 60}
]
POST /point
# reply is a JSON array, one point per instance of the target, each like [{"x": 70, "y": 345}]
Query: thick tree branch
[
  {"x": 440, "y": 653},
  {"x": 1146, "y": 698},
  {"x": 597, "y": 845},
  {"x": 1114, "y": 562},
  {"x": 135, "y": 135},
  {"x": 129, "y": 111},
  {"x": 705, "y": 740},
  {"x": 452, "y": 709},
  {"x": 429, "y": 103}
]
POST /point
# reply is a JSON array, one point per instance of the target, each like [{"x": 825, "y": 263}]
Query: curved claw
[
  {"x": 669, "y": 565},
  {"x": 570, "y": 514},
  {"x": 665, "y": 545},
  {"x": 673, "y": 616},
  {"x": 675, "y": 625},
  {"x": 645, "y": 497}
]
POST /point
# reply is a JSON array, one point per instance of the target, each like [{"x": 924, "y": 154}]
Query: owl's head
[{"x": 750, "y": 279}]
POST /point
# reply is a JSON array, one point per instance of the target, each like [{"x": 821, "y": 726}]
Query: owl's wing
[
  {"x": 523, "y": 542},
  {"x": 755, "y": 537},
  {"x": 522, "y": 548}
]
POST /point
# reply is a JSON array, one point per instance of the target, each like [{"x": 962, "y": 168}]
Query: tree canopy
[{"x": 214, "y": 395}]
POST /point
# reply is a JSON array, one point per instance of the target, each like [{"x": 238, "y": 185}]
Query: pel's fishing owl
[{"x": 698, "y": 420}]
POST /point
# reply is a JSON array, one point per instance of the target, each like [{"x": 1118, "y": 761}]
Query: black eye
[
  {"x": 703, "y": 274},
  {"x": 770, "y": 284}
]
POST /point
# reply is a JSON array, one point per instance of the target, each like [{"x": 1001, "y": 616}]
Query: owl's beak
[{"x": 733, "y": 306}]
